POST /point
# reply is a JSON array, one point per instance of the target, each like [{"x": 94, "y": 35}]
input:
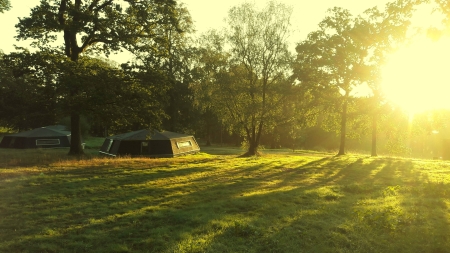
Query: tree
[
  {"x": 211, "y": 61},
  {"x": 5, "y": 5},
  {"x": 330, "y": 60},
  {"x": 93, "y": 26},
  {"x": 387, "y": 31},
  {"x": 252, "y": 93},
  {"x": 109, "y": 96},
  {"x": 34, "y": 91},
  {"x": 347, "y": 52},
  {"x": 175, "y": 59},
  {"x": 170, "y": 53}
]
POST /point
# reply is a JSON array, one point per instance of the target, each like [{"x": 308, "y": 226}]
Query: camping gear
[
  {"x": 43, "y": 137},
  {"x": 150, "y": 143}
]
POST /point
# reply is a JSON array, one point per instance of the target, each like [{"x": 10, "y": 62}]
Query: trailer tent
[
  {"x": 150, "y": 143},
  {"x": 43, "y": 137}
]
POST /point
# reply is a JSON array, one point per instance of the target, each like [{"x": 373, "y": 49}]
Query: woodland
[{"x": 241, "y": 85}]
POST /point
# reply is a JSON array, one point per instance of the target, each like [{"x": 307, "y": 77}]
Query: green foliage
[
  {"x": 36, "y": 92},
  {"x": 28, "y": 93},
  {"x": 171, "y": 53},
  {"x": 247, "y": 85},
  {"x": 102, "y": 26},
  {"x": 91, "y": 27},
  {"x": 85, "y": 126},
  {"x": 5, "y": 5},
  {"x": 339, "y": 57}
]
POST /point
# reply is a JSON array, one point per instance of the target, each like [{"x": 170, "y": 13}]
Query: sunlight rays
[{"x": 416, "y": 77}]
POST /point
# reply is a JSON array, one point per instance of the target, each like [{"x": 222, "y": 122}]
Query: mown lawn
[{"x": 286, "y": 202}]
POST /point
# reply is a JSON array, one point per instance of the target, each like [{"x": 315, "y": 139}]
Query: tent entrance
[
  {"x": 11, "y": 143},
  {"x": 145, "y": 148}
]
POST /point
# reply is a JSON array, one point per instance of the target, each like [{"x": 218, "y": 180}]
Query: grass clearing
[{"x": 279, "y": 202}]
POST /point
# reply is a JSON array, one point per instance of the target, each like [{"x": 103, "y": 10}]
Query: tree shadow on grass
[{"x": 268, "y": 206}]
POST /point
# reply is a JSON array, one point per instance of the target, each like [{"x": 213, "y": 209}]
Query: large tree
[
  {"x": 169, "y": 56},
  {"x": 330, "y": 59},
  {"x": 211, "y": 60},
  {"x": 93, "y": 25},
  {"x": 259, "y": 63},
  {"x": 175, "y": 58},
  {"x": 347, "y": 52},
  {"x": 387, "y": 31}
]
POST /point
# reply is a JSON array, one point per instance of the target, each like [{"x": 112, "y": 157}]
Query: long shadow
[{"x": 244, "y": 208}]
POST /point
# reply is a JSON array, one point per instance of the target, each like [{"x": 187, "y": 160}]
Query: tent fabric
[
  {"x": 150, "y": 143},
  {"x": 43, "y": 137}
]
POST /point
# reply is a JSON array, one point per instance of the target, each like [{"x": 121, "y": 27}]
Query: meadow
[{"x": 216, "y": 201}]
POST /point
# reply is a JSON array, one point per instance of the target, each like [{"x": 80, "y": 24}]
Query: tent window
[
  {"x": 42, "y": 142},
  {"x": 183, "y": 144}
]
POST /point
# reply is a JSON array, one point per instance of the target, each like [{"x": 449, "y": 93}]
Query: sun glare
[{"x": 417, "y": 77}]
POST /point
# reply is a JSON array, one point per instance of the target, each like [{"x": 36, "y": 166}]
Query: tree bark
[
  {"x": 343, "y": 126},
  {"x": 253, "y": 138},
  {"x": 75, "y": 138},
  {"x": 252, "y": 149},
  {"x": 75, "y": 126},
  {"x": 374, "y": 135},
  {"x": 208, "y": 137}
]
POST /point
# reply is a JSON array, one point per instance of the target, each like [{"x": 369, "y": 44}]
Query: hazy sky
[{"x": 207, "y": 14}]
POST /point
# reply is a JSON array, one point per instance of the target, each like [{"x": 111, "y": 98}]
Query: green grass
[
  {"x": 279, "y": 202},
  {"x": 93, "y": 142}
]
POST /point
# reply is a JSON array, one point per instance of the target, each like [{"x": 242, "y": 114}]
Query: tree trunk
[
  {"x": 374, "y": 135},
  {"x": 75, "y": 126},
  {"x": 208, "y": 138},
  {"x": 208, "y": 133},
  {"x": 252, "y": 149},
  {"x": 343, "y": 127},
  {"x": 75, "y": 138},
  {"x": 253, "y": 138}
]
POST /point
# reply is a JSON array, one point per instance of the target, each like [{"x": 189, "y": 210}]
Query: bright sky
[{"x": 417, "y": 77}]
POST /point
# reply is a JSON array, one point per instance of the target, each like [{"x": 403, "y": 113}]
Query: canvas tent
[
  {"x": 43, "y": 137},
  {"x": 150, "y": 143}
]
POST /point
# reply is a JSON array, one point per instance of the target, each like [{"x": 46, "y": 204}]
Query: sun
[{"x": 417, "y": 77}]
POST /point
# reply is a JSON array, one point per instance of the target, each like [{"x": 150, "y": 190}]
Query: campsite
[{"x": 192, "y": 126}]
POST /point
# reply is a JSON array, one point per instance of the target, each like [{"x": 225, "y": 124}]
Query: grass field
[{"x": 215, "y": 201}]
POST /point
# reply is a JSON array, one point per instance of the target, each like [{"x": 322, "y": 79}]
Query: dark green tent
[
  {"x": 150, "y": 143},
  {"x": 43, "y": 137}
]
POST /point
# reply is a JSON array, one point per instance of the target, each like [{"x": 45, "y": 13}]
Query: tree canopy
[
  {"x": 93, "y": 26},
  {"x": 253, "y": 90}
]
